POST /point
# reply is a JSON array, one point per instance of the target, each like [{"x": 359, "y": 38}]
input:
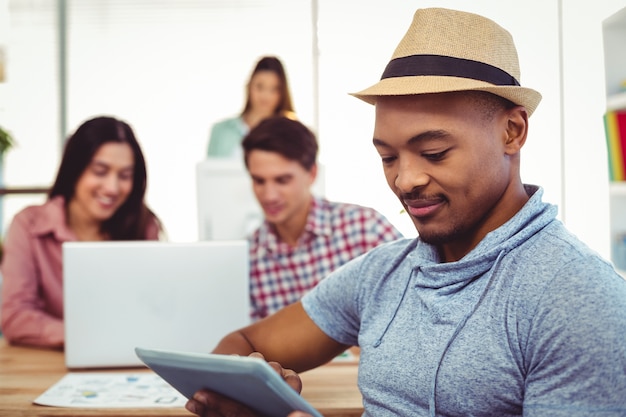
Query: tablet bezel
[{"x": 251, "y": 381}]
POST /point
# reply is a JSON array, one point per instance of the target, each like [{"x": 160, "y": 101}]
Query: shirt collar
[
  {"x": 51, "y": 219},
  {"x": 318, "y": 223}
]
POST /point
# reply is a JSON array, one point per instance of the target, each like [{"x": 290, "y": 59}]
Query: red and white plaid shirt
[{"x": 334, "y": 234}]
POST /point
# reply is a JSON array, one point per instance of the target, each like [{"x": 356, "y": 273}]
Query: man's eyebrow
[
  {"x": 284, "y": 176},
  {"x": 276, "y": 178},
  {"x": 379, "y": 142},
  {"x": 428, "y": 135},
  {"x": 424, "y": 136}
]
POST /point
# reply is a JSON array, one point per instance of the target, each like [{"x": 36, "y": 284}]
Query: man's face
[
  {"x": 448, "y": 164},
  {"x": 281, "y": 186}
]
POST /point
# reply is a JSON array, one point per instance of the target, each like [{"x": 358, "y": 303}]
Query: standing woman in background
[
  {"x": 267, "y": 95},
  {"x": 98, "y": 195}
]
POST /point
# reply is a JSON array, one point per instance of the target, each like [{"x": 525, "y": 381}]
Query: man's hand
[{"x": 207, "y": 403}]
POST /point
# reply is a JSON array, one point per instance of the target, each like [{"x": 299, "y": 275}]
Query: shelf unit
[
  {"x": 616, "y": 101},
  {"x": 614, "y": 38},
  {"x": 617, "y": 209}
]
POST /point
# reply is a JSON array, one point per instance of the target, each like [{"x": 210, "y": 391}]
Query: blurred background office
[{"x": 173, "y": 67}]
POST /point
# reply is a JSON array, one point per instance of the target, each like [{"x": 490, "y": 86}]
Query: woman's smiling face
[{"x": 106, "y": 183}]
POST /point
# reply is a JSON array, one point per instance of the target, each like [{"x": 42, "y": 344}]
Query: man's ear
[
  {"x": 516, "y": 129},
  {"x": 313, "y": 173}
]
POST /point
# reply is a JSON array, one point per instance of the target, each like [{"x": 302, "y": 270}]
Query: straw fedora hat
[{"x": 447, "y": 50}]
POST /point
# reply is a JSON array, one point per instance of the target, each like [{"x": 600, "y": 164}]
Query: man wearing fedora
[{"x": 495, "y": 309}]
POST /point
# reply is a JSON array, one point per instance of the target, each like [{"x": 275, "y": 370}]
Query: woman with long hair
[
  {"x": 98, "y": 195},
  {"x": 267, "y": 94}
]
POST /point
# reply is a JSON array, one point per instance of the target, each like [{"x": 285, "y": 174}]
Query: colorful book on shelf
[{"x": 615, "y": 129}]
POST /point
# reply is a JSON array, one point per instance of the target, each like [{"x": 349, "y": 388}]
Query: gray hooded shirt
[{"x": 531, "y": 322}]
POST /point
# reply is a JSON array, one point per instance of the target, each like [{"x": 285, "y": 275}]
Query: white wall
[
  {"x": 584, "y": 104},
  {"x": 171, "y": 79},
  {"x": 173, "y": 70},
  {"x": 170, "y": 71},
  {"x": 30, "y": 96}
]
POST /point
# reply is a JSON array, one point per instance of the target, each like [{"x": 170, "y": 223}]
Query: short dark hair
[
  {"x": 489, "y": 103},
  {"x": 285, "y": 136}
]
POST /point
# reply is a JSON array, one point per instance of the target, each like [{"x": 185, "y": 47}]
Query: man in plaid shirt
[{"x": 303, "y": 237}]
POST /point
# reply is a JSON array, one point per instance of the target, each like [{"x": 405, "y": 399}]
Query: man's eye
[
  {"x": 388, "y": 159},
  {"x": 435, "y": 156}
]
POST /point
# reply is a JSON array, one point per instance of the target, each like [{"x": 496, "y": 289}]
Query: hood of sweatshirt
[
  {"x": 472, "y": 275},
  {"x": 451, "y": 276}
]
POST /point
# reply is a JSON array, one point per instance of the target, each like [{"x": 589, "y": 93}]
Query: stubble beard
[{"x": 441, "y": 237}]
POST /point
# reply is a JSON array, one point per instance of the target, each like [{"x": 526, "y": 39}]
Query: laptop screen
[{"x": 178, "y": 296}]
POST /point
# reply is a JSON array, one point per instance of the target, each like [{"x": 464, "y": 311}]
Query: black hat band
[{"x": 439, "y": 65}]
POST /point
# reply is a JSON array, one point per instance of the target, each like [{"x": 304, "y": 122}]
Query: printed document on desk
[{"x": 111, "y": 390}]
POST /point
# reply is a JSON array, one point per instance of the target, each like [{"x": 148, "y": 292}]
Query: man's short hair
[
  {"x": 285, "y": 136},
  {"x": 489, "y": 103}
]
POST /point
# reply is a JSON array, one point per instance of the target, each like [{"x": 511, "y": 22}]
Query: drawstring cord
[
  {"x": 431, "y": 400},
  {"x": 395, "y": 312},
  {"x": 398, "y": 260}
]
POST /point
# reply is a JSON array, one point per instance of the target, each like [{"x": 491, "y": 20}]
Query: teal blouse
[{"x": 226, "y": 136}]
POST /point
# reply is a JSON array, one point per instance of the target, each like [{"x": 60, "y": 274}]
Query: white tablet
[{"x": 250, "y": 381}]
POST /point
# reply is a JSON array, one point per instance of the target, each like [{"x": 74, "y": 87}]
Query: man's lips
[
  {"x": 272, "y": 210},
  {"x": 422, "y": 208}
]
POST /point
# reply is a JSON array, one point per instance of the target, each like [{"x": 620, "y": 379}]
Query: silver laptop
[{"x": 176, "y": 296}]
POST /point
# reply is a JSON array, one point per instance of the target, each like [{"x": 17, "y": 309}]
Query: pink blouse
[{"x": 32, "y": 275}]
